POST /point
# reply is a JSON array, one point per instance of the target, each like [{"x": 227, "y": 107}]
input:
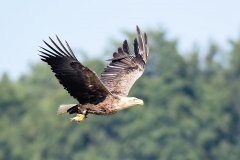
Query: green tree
[{"x": 191, "y": 111}]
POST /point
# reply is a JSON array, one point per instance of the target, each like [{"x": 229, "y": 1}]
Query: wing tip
[
  {"x": 138, "y": 30},
  {"x": 145, "y": 38}
]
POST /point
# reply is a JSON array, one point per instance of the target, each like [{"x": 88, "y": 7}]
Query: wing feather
[
  {"x": 125, "y": 47},
  {"x": 80, "y": 82},
  {"x": 125, "y": 68}
]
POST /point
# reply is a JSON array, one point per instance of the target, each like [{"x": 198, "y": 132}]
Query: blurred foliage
[{"x": 190, "y": 112}]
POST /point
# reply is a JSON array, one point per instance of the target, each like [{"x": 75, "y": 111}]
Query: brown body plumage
[{"x": 103, "y": 96}]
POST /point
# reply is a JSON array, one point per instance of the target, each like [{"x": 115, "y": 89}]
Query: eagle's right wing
[{"x": 126, "y": 68}]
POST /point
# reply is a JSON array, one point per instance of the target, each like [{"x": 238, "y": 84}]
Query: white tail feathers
[{"x": 64, "y": 107}]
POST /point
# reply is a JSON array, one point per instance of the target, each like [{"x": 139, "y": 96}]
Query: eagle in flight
[{"x": 103, "y": 95}]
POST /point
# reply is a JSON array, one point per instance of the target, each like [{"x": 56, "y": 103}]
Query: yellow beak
[{"x": 139, "y": 101}]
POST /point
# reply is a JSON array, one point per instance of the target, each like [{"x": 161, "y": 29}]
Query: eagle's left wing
[{"x": 80, "y": 82}]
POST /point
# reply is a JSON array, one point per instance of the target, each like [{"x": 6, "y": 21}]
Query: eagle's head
[
  {"x": 132, "y": 101},
  {"x": 127, "y": 102}
]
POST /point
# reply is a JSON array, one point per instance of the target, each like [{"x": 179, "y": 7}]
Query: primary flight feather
[{"x": 101, "y": 96}]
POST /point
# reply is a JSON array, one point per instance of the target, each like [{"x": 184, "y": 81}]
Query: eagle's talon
[{"x": 78, "y": 118}]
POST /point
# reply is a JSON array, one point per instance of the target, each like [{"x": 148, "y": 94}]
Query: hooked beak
[{"x": 140, "y": 102}]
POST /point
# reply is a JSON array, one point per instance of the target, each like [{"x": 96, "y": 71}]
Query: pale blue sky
[{"x": 88, "y": 25}]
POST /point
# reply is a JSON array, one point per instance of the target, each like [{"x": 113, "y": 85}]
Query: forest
[{"x": 191, "y": 111}]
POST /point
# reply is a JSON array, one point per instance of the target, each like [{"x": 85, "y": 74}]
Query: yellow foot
[{"x": 78, "y": 118}]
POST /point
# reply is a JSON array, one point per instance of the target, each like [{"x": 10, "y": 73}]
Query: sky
[{"x": 89, "y": 25}]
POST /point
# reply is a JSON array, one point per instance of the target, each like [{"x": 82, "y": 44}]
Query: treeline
[{"x": 192, "y": 110}]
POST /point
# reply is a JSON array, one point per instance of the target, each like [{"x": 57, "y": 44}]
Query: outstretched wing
[
  {"x": 80, "y": 82},
  {"x": 126, "y": 68}
]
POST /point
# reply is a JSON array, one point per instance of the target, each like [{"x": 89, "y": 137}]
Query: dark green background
[{"x": 192, "y": 109}]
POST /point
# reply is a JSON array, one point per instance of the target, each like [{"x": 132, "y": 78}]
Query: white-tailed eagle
[{"x": 103, "y": 95}]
